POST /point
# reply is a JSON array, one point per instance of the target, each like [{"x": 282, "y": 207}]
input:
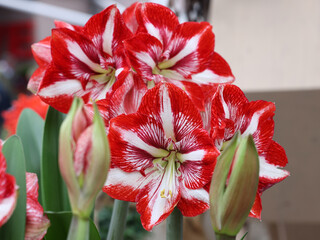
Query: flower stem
[
  {"x": 224, "y": 237},
  {"x": 118, "y": 220},
  {"x": 79, "y": 228},
  {"x": 175, "y": 225}
]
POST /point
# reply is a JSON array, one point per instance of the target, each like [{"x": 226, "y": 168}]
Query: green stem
[
  {"x": 118, "y": 220},
  {"x": 79, "y": 229},
  {"x": 224, "y": 237},
  {"x": 175, "y": 225}
]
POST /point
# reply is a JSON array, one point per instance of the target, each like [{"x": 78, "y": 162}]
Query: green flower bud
[
  {"x": 84, "y": 156},
  {"x": 234, "y": 185}
]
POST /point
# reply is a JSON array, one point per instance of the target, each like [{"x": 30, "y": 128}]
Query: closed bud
[
  {"x": 234, "y": 185},
  {"x": 84, "y": 156}
]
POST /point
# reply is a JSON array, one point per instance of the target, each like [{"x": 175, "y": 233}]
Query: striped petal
[
  {"x": 256, "y": 118},
  {"x": 156, "y": 20},
  {"x": 42, "y": 54},
  {"x": 135, "y": 141},
  {"x": 8, "y": 197},
  {"x": 36, "y": 222},
  {"x": 189, "y": 50},
  {"x": 75, "y": 55},
  {"x": 144, "y": 52},
  {"x": 153, "y": 208},
  {"x": 125, "y": 186},
  {"x": 107, "y": 30},
  {"x": 129, "y": 17},
  {"x": 224, "y": 112},
  {"x": 257, "y": 207},
  {"x": 8, "y": 191},
  {"x": 198, "y": 156},
  {"x": 173, "y": 109},
  {"x": 42, "y": 51},
  {"x": 193, "y": 201},
  {"x": 217, "y": 71}
]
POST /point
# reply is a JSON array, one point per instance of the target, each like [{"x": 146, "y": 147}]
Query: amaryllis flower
[
  {"x": 87, "y": 62},
  {"x": 8, "y": 191},
  {"x": 11, "y": 116},
  {"x": 36, "y": 222},
  {"x": 161, "y": 156},
  {"x": 163, "y": 49},
  {"x": 232, "y": 112}
]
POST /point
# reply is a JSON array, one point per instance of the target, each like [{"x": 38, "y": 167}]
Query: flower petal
[
  {"x": 270, "y": 174},
  {"x": 36, "y": 222},
  {"x": 189, "y": 49},
  {"x": 75, "y": 55},
  {"x": 152, "y": 207},
  {"x": 42, "y": 51},
  {"x": 157, "y": 20},
  {"x": 256, "y": 118},
  {"x": 129, "y": 17},
  {"x": 224, "y": 112},
  {"x": 193, "y": 201},
  {"x": 171, "y": 106},
  {"x": 198, "y": 156},
  {"x": 135, "y": 141},
  {"x": 107, "y": 30},
  {"x": 8, "y": 197},
  {"x": 144, "y": 52},
  {"x": 125, "y": 186},
  {"x": 257, "y": 207},
  {"x": 217, "y": 71}
]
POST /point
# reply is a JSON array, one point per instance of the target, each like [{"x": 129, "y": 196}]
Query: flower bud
[
  {"x": 234, "y": 185},
  {"x": 84, "y": 156}
]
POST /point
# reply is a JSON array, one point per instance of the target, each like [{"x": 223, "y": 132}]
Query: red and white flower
[
  {"x": 232, "y": 112},
  {"x": 8, "y": 191},
  {"x": 164, "y": 49},
  {"x": 36, "y": 222},
  {"x": 161, "y": 156},
  {"x": 88, "y": 62}
]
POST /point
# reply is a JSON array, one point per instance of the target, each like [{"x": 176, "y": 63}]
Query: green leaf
[
  {"x": 30, "y": 130},
  {"x": 59, "y": 226},
  {"x": 53, "y": 189},
  {"x": 13, "y": 152},
  {"x": 94, "y": 234}
]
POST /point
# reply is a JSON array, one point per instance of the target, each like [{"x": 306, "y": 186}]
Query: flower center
[
  {"x": 106, "y": 78},
  {"x": 170, "y": 166}
]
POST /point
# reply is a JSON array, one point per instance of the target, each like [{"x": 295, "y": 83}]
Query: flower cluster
[{"x": 167, "y": 100}]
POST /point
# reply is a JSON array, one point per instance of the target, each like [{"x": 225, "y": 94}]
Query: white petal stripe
[
  {"x": 166, "y": 113},
  {"x": 67, "y": 87},
  {"x": 132, "y": 138},
  {"x": 189, "y": 48},
  {"x": 208, "y": 76},
  {"x": 6, "y": 206},
  {"x": 77, "y": 52},
  {"x": 191, "y": 156},
  {"x": 271, "y": 171},
  {"x": 107, "y": 36},
  {"x": 145, "y": 58},
  {"x": 252, "y": 127}
]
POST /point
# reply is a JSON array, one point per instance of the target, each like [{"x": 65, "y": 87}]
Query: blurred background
[{"x": 273, "y": 48}]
